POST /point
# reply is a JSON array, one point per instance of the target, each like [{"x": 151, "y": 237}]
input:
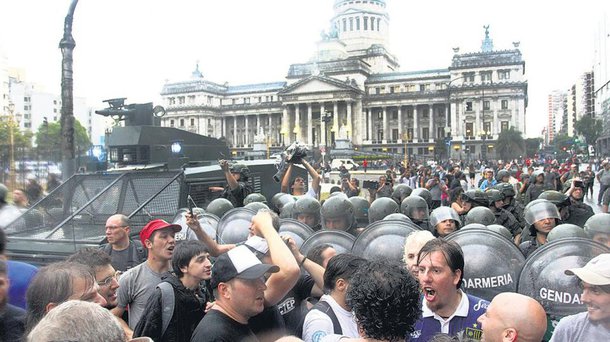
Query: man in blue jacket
[{"x": 445, "y": 308}]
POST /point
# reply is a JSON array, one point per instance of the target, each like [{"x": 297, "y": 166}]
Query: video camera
[{"x": 293, "y": 154}]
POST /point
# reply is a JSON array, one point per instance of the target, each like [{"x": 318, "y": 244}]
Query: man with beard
[
  {"x": 137, "y": 284},
  {"x": 445, "y": 308},
  {"x": 542, "y": 217},
  {"x": 593, "y": 324}
]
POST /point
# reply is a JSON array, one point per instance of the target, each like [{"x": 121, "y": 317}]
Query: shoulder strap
[
  {"x": 167, "y": 304},
  {"x": 140, "y": 251},
  {"x": 325, "y": 308},
  {"x": 107, "y": 248}
]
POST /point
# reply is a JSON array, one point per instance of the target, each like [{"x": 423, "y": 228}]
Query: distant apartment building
[{"x": 601, "y": 70}]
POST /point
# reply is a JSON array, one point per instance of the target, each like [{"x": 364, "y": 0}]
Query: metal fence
[{"x": 74, "y": 214}]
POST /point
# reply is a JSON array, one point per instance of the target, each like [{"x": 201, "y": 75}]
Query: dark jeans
[{"x": 602, "y": 189}]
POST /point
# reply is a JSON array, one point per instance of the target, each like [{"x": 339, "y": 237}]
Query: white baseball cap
[{"x": 595, "y": 272}]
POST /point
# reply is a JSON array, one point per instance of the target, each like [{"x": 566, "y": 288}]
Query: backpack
[
  {"x": 136, "y": 258},
  {"x": 325, "y": 308},
  {"x": 168, "y": 302}
]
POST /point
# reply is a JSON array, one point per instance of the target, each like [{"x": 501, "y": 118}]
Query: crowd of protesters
[{"x": 157, "y": 286}]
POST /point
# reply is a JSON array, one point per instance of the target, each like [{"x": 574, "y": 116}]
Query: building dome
[{"x": 338, "y": 2}]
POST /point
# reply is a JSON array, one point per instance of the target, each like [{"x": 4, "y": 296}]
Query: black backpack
[
  {"x": 137, "y": 252},
  {"x": 328, "y": 311}
]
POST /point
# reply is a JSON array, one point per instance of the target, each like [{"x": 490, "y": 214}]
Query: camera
[
  {"x": 293, "y": 154},
  {"x": 367, "y": 184}
]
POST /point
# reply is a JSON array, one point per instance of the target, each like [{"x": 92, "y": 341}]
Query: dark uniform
[
  {"x": 578, "y": 213},
  {"x": 237, "y": 196},
  {"x": 506, "y": 219},
  {"x": 517, "y": 210}
]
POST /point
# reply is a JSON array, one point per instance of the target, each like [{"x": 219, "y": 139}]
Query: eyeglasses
[
  {"x": 115, "y": 227},
  {"x": 108, "y": 280}
]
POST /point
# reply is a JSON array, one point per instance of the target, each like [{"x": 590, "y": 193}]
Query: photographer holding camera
[
  {"x": 237, "y": 187},
  {"x": 384, "y": 189},
  {"x": 297, "y": 188},
  {"x": 350, "y": 187}
]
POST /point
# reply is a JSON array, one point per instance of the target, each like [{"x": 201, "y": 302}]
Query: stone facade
[{"x": 352, "y": 89}]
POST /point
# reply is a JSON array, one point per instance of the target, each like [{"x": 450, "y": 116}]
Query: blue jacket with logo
[{"x": 426, "y": 327}]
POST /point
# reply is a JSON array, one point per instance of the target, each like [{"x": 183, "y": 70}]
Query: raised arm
[
  {"x": 283, "y": 281},
  {"x": 315, "y": 177},
  {"x": 285, "y": 188},
  {"x": 214, "y": 248}
]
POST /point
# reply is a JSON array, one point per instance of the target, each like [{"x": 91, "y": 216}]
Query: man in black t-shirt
[
  {"x": 238, "y": 277},
  {"x": 237, "y": 187}
]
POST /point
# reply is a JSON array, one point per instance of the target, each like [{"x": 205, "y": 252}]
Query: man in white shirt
[{"x": 332, "y": 315}]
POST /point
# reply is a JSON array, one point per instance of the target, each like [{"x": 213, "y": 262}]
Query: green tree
[
  {"x": 510, "y": 144},
  {"x": 532, "y": 146},
  {"x": 48, "y": 140},
  {"x": 590, "y": 128}
]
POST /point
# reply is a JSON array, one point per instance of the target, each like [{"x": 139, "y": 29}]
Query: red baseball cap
[{"x": 155, "y": 225}]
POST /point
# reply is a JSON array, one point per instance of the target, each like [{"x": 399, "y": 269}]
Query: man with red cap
[{"x": 138, "y": 283}]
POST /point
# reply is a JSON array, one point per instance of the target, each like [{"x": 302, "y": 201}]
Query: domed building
[{"x": 352, "y": 91}]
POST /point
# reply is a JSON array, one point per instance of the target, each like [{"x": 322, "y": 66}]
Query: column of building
[
  {"x": 309, "y": 119},
  {"x": 335, "y": 119},
  {"x": 415, "y": 124},
  {"x": 349, "y": 119},
  {"x": 370, "y": 122},
  {"x": 285, "y": 131},
  {"x": 384, "y": 115},
  {"x": 247, "y": 133},
  {"x": 234, "y": 130},
  {"x": 400, "y": 122},
  {"x": 431, "y": 133},
  {"x": 322, "y": 125}
]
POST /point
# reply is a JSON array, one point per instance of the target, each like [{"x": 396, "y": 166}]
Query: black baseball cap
[{"x": 240, "y": 263}]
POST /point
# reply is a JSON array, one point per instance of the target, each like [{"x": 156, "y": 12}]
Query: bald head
[{"x": 513, "y": 317}]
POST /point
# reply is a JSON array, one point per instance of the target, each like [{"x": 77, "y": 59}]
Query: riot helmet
[
  {"x": 415, "y": 207},
  {"x": 474, "y": 226},
  {"x": 476, "y": 197},
  {"x": 397, "y": 216},
  {"x": 242, "y": 169},
  {"x": 361, "y": 210},
  {"x": 500, "y": 229},
  {"x": 494, "y": 195},
  {"x": 506, "y": 188},
  {"x": 535, "y": 175},
  {"x": 256, "y": 206},
  {"x": 558, "y": 198},
  {"x": 566, "y": 231},
  {"x": 279, "y": 200},
  {"x": 438, "y": 218},
  {"x": 337, "y": 213},
  {"x": 401, "y": 191},
  {"x": 286, "y": 211},
  {"x": 382, "y": 207},
  {"x": 480, "y": 215},
  {"x": 598, "y": 228},
  {"x": 423, "y": 193},
  {"x": 307, "y": 210},
  {"x": 501, "y": 175},
  {"x": 540, "y": 210},
  {"x": 255, "y": 197},
  {"x": 219, "y": 207}
]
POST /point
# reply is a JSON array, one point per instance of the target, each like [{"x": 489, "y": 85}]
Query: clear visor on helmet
[
  {"x": 417, "y": 211},
  {"x": 541, "y": 211}
]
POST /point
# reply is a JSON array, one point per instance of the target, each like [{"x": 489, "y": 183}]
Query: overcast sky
[{"x": 129, "y": 48}]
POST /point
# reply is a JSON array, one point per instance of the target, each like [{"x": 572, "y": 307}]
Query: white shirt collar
[{"x": 462, "y": 309}]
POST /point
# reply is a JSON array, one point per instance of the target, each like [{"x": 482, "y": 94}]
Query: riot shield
[
  {"x": 341, "y": 241},
  {"x": 543, "y": 275},
  {"x": 208, "y": 222},
  {"x": 383, "y": 239},
  {"x": 234, "y": 226},
  {"x": 491, "y": 262},
  {"x": 298, "y": 231}
]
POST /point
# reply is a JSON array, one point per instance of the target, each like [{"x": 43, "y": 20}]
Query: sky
[{"x": 130, "y": 48}]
